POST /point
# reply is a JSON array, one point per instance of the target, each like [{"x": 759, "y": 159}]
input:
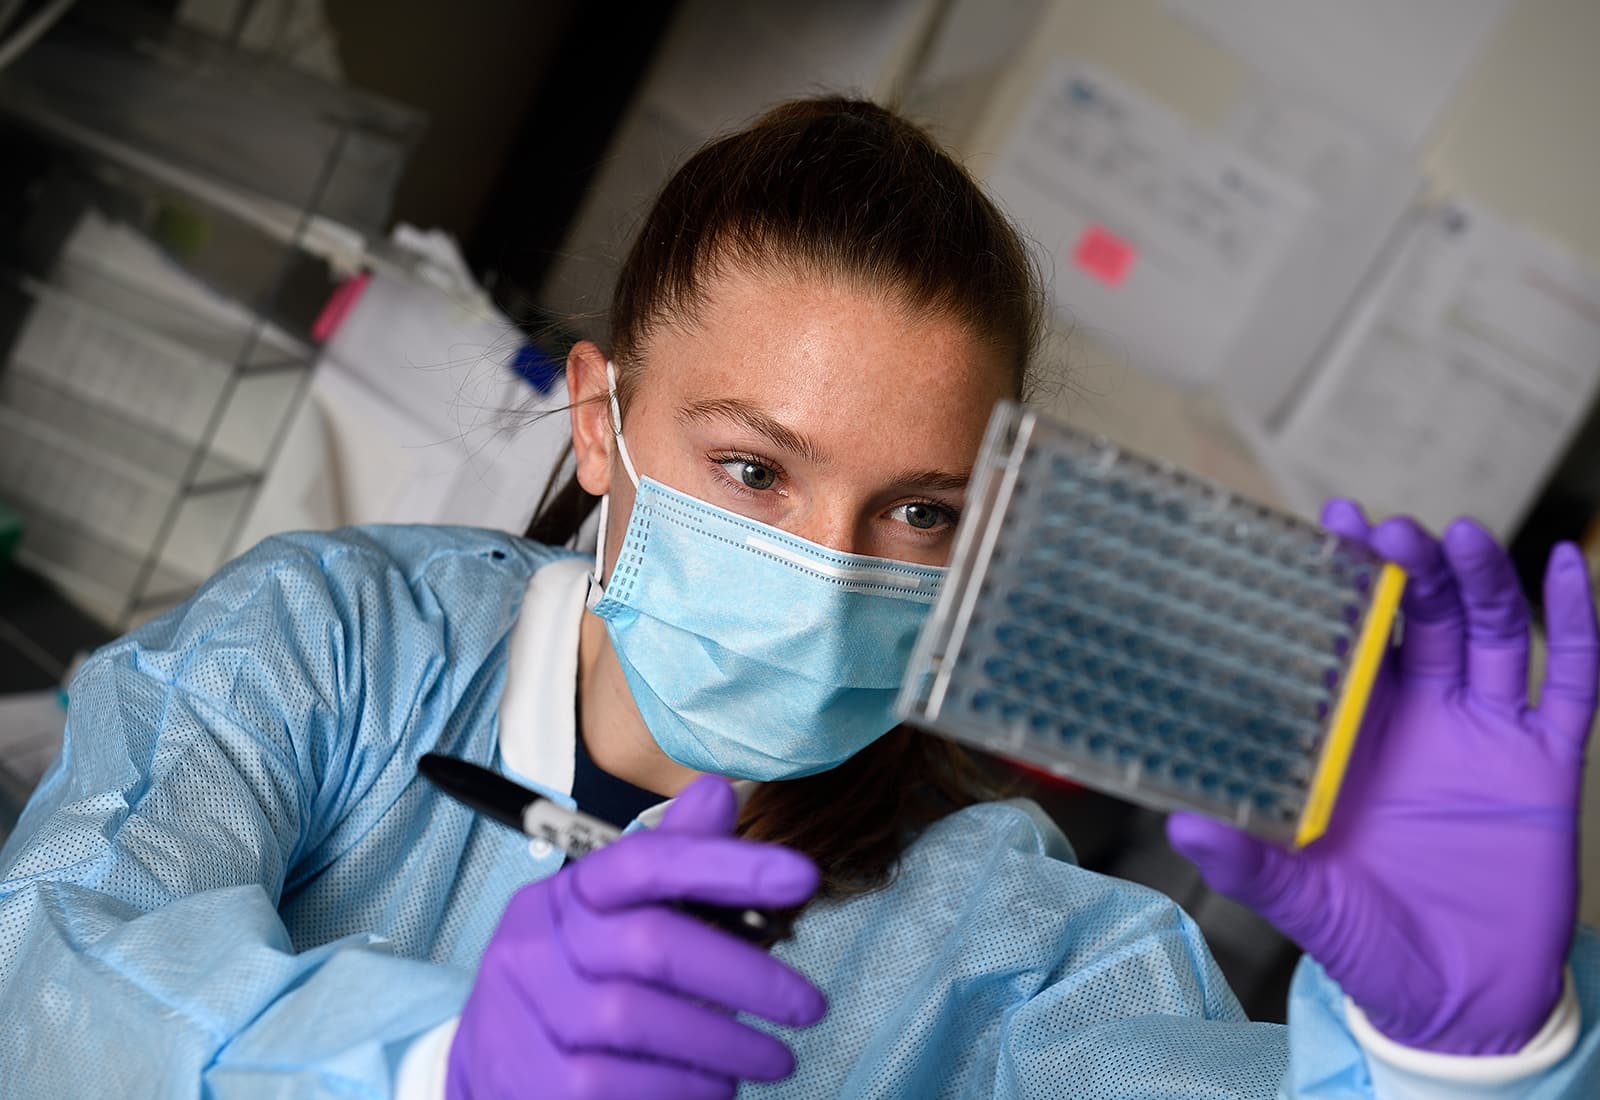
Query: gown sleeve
[
  {"x": 141, "y": 948},
  {"x": 1328, "y": 1061}
]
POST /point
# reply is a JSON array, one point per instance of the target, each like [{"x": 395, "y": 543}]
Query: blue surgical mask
[{"x": 750, "y": 652}]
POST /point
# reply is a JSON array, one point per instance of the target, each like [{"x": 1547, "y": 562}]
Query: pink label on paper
[{"x": 1104, "y": 255}]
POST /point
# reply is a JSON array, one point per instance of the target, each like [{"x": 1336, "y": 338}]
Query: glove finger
[
  {"x": 1277, "y": 884},
  {"x": 707, "y": 806},
  {"x": 511, "y": 1068},
  {"x": 1344, "y": 517},
  {"x": 1567, "y": 698},
  {"x": 612, "y": 1077},
  {"x": 661, "y": 866},
  {"x": 675, "y": 952},
  {"x": 638, "y": 1022},
  {"x": 1434, "y": 639},
  {"x": 1496, "y": 614},
  {"x": 531, "y": 961}
]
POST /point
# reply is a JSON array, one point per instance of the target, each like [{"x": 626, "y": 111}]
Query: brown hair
[{"x": 833, "y": 187}]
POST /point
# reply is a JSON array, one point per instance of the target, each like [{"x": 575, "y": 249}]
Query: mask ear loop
[
  {"x": 616, "y": 424},
  {"x": 595, "y": 587},
  {"x": 600, "y": 539}
]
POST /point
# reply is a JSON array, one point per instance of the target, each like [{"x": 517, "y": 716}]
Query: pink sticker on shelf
[
  {"x": 338, "y": 307},
  {"x": 1104, "y": 255}
]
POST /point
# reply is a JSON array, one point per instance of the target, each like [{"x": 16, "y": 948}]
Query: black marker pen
[{"x": 577, "y": 834}]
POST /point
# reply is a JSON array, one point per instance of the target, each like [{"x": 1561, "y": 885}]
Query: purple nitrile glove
[
  {"x": 593, "y": 987},
  {"x": 1443, "y": 897}
]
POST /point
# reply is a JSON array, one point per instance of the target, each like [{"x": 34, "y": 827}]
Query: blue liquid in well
[{"x": 1137, "y": 617}]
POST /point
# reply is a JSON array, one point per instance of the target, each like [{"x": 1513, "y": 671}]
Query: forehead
[{"x": 832, "y": 359}]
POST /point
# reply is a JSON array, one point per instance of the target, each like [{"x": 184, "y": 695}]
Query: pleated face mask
[{"x": 750, "y": 652}]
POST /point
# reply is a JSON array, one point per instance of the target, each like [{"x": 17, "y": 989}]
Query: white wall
[{"x": 1522, "y": 133}]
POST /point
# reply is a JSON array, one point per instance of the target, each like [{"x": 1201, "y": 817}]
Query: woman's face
[{"x": 826, "y": 411}]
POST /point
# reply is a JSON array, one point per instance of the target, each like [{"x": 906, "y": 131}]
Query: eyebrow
[
  {"x": 756, "y": 420},
  {"x": 932, "y": 481}
]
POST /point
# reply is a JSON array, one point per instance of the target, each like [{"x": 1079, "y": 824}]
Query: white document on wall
[
  {"x": 1152, "y": 234},
  {"x": 1392, "y": 63},
  {"x": 1365, "y": 183},
  {"x": 1459, "y": 380}
]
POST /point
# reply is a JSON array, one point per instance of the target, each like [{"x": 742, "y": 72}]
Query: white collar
[{"x": 539, "y": 706}]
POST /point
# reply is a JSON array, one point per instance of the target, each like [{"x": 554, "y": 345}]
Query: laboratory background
[{"x": 268, "y": 266}]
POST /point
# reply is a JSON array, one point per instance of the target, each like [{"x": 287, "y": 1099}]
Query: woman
[{"x": 233, "y": 882}]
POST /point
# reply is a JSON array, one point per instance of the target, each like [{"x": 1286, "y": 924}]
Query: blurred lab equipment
[
  {"x": 427, "y": 405},
  {"x": 1127, "y": 625},
  {"x": 168, "y": 208}
]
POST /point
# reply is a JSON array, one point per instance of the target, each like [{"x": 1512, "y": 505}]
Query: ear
[{"x": 592, "y": 441}]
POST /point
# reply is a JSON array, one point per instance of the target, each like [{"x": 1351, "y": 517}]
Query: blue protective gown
[{"x": 233, "y": 884}]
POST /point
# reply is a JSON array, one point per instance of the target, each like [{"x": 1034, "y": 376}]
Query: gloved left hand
[{"x": 1443, "y": 897}]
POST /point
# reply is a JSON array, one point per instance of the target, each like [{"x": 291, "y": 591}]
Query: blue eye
[{"x": 753, "y": 475}]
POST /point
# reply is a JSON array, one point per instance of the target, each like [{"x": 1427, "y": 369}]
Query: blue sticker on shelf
[{"x": 537, "y": 369}]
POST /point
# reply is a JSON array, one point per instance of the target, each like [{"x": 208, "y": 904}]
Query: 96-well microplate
[{"x": 1149, "y": 633}]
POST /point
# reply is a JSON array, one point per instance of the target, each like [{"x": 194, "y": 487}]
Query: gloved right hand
[
  {"x": 593, "y": 987},
  {"x": 1443, "y": 897}
]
